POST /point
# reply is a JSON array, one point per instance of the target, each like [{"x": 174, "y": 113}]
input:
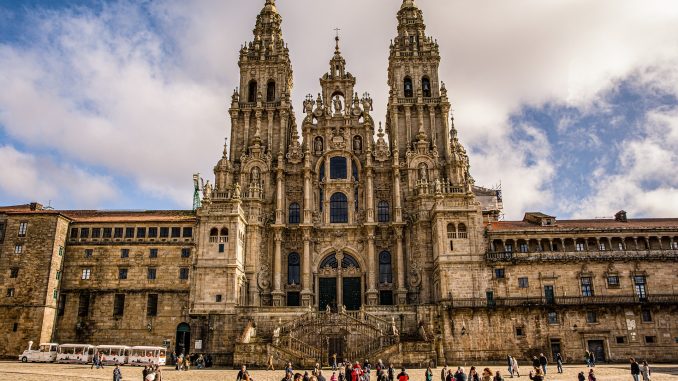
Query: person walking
[
  {"x": 559, "y": 362},
  {"x": 334, "y": 361},
  {"x": 509, "y": 363},
  {"x": 592, "y": 359},
  {"x": 391, "y": 372},
  {"x": 587, "y": 358},
  {"x": 635, "y": 369},
  {"x": 269, "y": 363},
  {"x": 516, "y": 369},
  {"x": 543, "y": 361},
  {"x": 645, "y": 371},
  {"x": 117, "y": 374},
  {"x": 403, "y": 376}
]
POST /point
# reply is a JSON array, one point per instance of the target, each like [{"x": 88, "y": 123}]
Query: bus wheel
[{"x": 24, "y": 359}]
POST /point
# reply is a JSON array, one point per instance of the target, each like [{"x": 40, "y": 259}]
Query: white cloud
[
  {"x": 150, "y": 104},
  {"x": 644, "y": 184},
  {"x": 37, "y": 178}
]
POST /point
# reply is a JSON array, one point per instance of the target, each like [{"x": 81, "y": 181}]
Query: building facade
[{"x": 373, "y": 238}]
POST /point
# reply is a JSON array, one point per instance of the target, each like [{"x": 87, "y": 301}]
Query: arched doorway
[
  {"x": 339, "y": 283},
  {"x": 183, "y": 339}
]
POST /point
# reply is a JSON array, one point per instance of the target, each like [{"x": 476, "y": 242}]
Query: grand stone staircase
[{"x": 314, "y": 336}]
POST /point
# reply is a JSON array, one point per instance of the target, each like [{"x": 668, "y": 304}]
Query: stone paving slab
[{"x": 15, "y": 371}]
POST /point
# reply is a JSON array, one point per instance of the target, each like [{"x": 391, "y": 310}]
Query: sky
[{"x": 570, "y": 106}]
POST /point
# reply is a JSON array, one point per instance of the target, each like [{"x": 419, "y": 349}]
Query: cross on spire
[{"x": 336, "y": 48}]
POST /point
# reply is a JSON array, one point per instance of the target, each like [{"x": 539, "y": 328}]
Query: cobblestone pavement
[{"x": 15, "y": 371}]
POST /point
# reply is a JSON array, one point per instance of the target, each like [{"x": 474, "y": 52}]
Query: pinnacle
[{"x": 408, "y": 4}]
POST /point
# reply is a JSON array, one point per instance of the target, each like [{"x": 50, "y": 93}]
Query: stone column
[
  {"x": 269, "y": 132},
  {"x": 234, "y": 127},
  {"x": 372, "y": 262},
  {"x": 397, "y": 209},
  {"x": 432, "y": 119},
  {"x": 369, "y": 192},
  {"x": 401, "y": 291},
  {"x": 246, "y": 135},
  {"x": 277, "y": 293},
  {"x": 280, "y": 201},
  {"x": 306, "y": 293},
  {"x": 408, "y": 125},
  {"x": 340, "y": 282}
]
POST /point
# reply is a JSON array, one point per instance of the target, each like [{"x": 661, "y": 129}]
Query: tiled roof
[
  {"x": 603, "y": 223},
  {"x": 108, "y": 216}
]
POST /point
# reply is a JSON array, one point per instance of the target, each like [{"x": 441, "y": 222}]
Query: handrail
[{"x": 561, "y": 301}]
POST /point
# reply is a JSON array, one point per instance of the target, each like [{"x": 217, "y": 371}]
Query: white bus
[
  {"x": 75, "y": 353},
  {"x": 147, "y": 355},
  {"x": 46, "y": 352},
  {"x": 113, "y": 354}
]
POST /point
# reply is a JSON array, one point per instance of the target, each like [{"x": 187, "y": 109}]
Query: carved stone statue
[
  {"x": 394, "y": 329},
  {"x": 236, "y": 191},
  {"x": 255, "y": 175},
  {"x": 422, "y": 331},
  {"x": 436, "y": 186},
  {"x": 328, "y": 309},
  {"x": 207, "y": 191},
  {"x": 423, "y": 172},
  {"x": 357, "y": 143},
  {"x": 318, "y": 144},
  {"x": 343, "y": 309},
  {"x": 338, "y": 106}
]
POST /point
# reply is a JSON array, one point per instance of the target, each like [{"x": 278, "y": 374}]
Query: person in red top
[
  {"x": 357, "y": 372},
  {"x": 403, "y": 376}
]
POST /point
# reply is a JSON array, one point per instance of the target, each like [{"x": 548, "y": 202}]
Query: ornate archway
[{"x": 339, "y": 282}]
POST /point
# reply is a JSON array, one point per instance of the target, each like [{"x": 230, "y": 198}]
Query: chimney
[
  {"x": 36, "y": 206},
  {"x": 620, "y": 216}
]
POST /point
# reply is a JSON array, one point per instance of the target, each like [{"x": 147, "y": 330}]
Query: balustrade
[{"x": 508, "y": 256}]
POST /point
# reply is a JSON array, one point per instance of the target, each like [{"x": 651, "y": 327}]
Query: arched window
[
  {"x": 409, "y": 93},
  {"x": 214, "y": 232},
  {"x": 331, "y": 262},
  {"x": 294, "y": 215},
  {"x": 462, "y": 231},
  {"x": 338, "y": 168},
  {"x": 426, "y": 87},
  {"x": 338, "y": 208},
  {"x": 252, "y": 92},
  {"x": 385, "y": 272},
  {"x": 270, "y": 91},
  {"x": 383, "y": 212},
  {"x": 293, "y": 265},
  {"x": 451, "y": 231},
  {"x": 223, "y": 235}
]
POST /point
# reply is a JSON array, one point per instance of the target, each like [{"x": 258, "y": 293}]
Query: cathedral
[{"x": 337, "y": 234}]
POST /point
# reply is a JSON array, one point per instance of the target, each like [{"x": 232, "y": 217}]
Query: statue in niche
[
  {"x": 357, "y": 143},
  {"x": 318, "y": 145},
  {"x": 423, "y": 172},
  {"x": 255, "y": 175},
  {"x": 207, "y": 191},
  {"x": 338, "y": 106}
]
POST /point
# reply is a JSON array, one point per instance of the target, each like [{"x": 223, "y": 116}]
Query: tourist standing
[
  {"x": 443, "y": 373},
  {"x": 498, "y": 377},
  {"x": 403, "y": 376},
  {"x": 516, "y": 369},
  {"x": 460, "y": 375},
  {"x": 391, "y": 372},
  {"x": 543, "y": 362},
  {"x": 334, "y": 361},
  {"x": 592, "y": 359},
  {"x": 635, "y": 369},
  {"x": 428, "y": 375},
  {"x": 473, "y": 374},
  {"x": 592, "y": 376},
  {"x": 535, "y": 362},
  {"x": 587, "y": 358},
  {"x": 559, "y": 362},
  {"x": 581, "y": 377},
  {"x": 487, "y": 375},
  {"x": 117, "y": 374},
  {"x": 320, "y": 376},
  {"x": 645, "y": 371}
]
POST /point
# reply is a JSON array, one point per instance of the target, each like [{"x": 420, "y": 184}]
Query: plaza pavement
[{"x": 16, "y": 371}]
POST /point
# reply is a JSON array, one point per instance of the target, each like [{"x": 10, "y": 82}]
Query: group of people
[
  {"x": 184, "y": 362},
  {"x": 447, "y": 374},
  {"x": 152, "y": 373}
]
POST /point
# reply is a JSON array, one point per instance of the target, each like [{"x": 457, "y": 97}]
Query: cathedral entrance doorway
[
  {"x": 183, "y": 340},
  {"x": 339, "y": 283},
  {"x": 336, "y": 346}
]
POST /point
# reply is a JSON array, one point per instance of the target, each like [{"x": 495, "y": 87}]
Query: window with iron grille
[
  {"x": 153, "y": 253},
  {"x": 122, "y": 274},
  {"x": 613, "y": 280},
  {"x": 499, "y": 273},
  {"x": 383, "y": 212},
  {"x": 338, "y": 168},
  {"x": 152, "y": 272},
  {"x": 586, "y": 286},
  {"x": 183, "y": 273},
  {"x": 552, "y": 317},
  {"x": 294, "y": 213},
  {"x": 119, "y": 305},
  {"x": 124, "y": 253},
  {"x": 591, "y": 317},
  {"x": 523, "y": 282},
  {"x": 185, "y": 252},
  {"x": 152, "y": 305},
  {"x": 338, "y": 208}
]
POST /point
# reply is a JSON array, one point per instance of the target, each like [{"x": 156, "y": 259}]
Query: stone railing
[
  {"x": 604, "y": 255},
  {"x": 561, "y": 301}
]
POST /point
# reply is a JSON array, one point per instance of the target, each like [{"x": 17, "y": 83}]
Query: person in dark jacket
[
  {"x": 543, "y": 362},
  {"x": 391, "y": 372},
  {"x": 460, "y": 375},
  {"x": 559, "y": 362},
  {"x": 117, "y": 375},
  {"x": 535, "y": 362},
  {"x": 635, "y": 369},
  {"x": 581, "y": 377},
  {"x": 242, "y": 374}
]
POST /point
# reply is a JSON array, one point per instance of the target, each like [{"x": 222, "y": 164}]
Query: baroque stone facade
[{"x": 374, "y": 239}]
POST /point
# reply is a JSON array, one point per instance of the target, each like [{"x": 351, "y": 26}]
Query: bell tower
[
  {"x": 418, "y": 108},
  {"x": 261, "y": 113}
]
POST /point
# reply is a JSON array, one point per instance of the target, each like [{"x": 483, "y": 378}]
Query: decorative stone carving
[{"x": 381, "y": 151}]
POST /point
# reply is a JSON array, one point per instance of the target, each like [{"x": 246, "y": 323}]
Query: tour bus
[
  {"x": 113, "y": 354},
  {"x": 46, "y": 352},
  {"x": 147, "y": 355},
  {"x": 75, "y": 353}
]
